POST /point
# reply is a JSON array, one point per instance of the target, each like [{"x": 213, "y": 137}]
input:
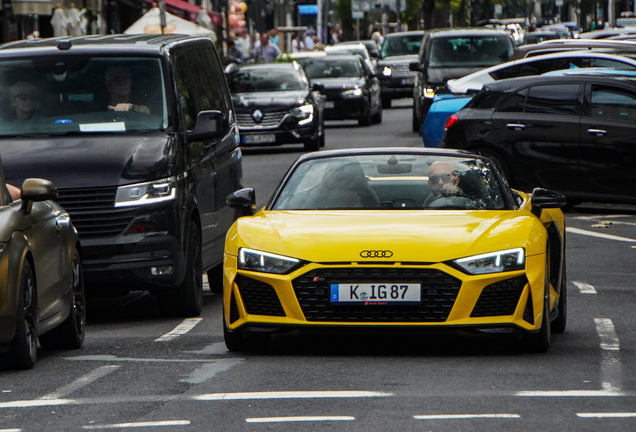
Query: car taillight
[{"x": 451, "y": 121}]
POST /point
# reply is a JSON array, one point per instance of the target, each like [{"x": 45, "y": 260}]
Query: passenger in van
[
  {"x": 23, "y": 100},
  {"x": 119, "y": 84}
]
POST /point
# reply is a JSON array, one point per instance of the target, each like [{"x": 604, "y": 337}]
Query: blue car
[{"x": 444, "y": 105}]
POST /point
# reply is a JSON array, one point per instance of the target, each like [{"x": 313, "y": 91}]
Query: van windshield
[
  {"x": 401, "y": 45},
  {"x": 57, "y": 95},
  {"x": 473, "y": 51}
]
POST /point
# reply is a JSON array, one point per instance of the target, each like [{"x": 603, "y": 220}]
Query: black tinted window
[
  {"x": 613, "y": 103},
  {"x": 470, "y": 51},
  {"x": 264, "y": 79},
  {"x": 331, "y": 68},
  {"x": 552, "y": 99},
  {"x": 514, "y": 103}
]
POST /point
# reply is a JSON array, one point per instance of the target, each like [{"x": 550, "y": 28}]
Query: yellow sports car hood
[{"x": 423, "y": 236}]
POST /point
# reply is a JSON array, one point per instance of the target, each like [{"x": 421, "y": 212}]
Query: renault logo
[
  {"x": 376, "y": 254},
  {"x": 257, "y": 116}
]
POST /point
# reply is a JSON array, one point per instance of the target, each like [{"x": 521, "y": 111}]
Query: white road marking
[
  {"x": 140, "y": 424},
  {"x": 600, "y": 217},
  {"x": 187, "y": 325},
  {"x": 298, "y": 419},
  {"x": 599, "y": 235},
  {"x": 10, "y": 430},
  {"x": 291, "y": 395},
  {"x": 569, "y": 393},
  {"x": 607, "y": 334},
  {"x": 585, "y": 288},
  {"x": 606, "y": 415},
  {"x": 81, "y": 382},
  {"x": 208, "y": 371},
  {"x": 112, "y": 358},
  {"x": 463, "y": 416},
  {"x": 37, "y": 403},
  {"x": 217, "y": 348}
]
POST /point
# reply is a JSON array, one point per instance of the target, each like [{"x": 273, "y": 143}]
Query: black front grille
[
  {"x": 258, "y": 297},
  {"x": 500, "y": 298},
  {"x": 93, "y": 211},
  {"x": 269, "y": 119},
  {"x": 439, "y": 292}
]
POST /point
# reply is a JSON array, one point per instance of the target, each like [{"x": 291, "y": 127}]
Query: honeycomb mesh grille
[
  {"x": 439, "y": 292},
  {"x": 258, "y": 297},
  {"x": 500, "y": 298}
]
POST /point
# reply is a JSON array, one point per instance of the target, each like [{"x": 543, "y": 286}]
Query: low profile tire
[
  {"x": 377, "y": 117},
  {"x": 416, "y": 126},
  {"x": 322, "y": 138},
  {"x": 313, "y": 144},
  {"x": 215, "y": 278},
  {"x": 365, "y": 120},
  {"x": 187, "y": 299},
  {"x": 540, "y": 342},
  {"x": 386, "y": 102},
  {"x": 559, "y": 324},
  {"x": 70, "y": 334},
  {"x": 23, "y": 350},
  {"x": 245, "y": 342}
]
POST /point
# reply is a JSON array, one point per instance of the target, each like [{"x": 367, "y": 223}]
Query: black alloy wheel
[
  {"x": 23, "y": 350},
  {"x": 70, "y": 334}
]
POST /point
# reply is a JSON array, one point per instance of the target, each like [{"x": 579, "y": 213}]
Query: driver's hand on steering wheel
[{"x": 130, "y": 107}]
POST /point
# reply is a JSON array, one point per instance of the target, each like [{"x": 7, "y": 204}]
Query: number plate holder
[
  {"x": 330, "y": 104},
  {"x": 376, "y": 293},
  {"x": 259, "y": 139}
]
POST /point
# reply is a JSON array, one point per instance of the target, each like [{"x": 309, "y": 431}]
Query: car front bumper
[
  {"x": 267, "y": 137},
  {"x": 450, "y": 299},
  {"x": 346, "y": 109}
]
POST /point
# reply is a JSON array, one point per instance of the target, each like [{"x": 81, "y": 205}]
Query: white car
[
  {"x": 539, "y": 65},
  {"x": 352, "y": 48}
]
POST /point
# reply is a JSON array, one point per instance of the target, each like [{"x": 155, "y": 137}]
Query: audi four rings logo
[{"x": 376, "y": 254}]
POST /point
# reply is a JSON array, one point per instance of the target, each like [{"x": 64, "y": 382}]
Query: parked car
[
  {"x": 41, "y": 286},
  {"x": 351, "y": 90},
  {"x": 275, "y": 104},
  {"x": 571, "y": 133},
  {"x": 450, "y": 54},
  {"x": 395, "y": 240},
  {"x": 139, "y": 134},
  {"x": 399, "y": 50}
]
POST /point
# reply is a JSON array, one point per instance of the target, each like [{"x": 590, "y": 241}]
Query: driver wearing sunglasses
[
  {"x": 443, "y": 180},
  {"x": 23, "y": 100}
]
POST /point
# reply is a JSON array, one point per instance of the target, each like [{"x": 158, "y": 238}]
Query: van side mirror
[
  {"x": 209, "y": 124},
  {"x": 544, "y": 199},
  {"x": 34, "y": 189},
  {"x": 243, "y": 200},
  {"x": 415, "y": 67}
]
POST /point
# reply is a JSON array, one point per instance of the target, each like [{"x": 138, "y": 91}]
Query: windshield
[
  {"x": 264, "y": 80},
  {"x": 348, "y": 50},
  {"x": 81, "y": 94},
  {"x": 391, "y": 182},
  {"x": 320, "y": 68},
  {"x": 470, "y": 51},
  {"x": 402, "y": 45}
]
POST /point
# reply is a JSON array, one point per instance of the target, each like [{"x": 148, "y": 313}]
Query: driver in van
[
  {"x": 443, "y": 180},
  {"x": 119, "y": 84}
]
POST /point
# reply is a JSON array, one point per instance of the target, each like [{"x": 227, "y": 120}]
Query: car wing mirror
[
  {"x": 317, "y": 86},
  {"x": 209, "y": 124},
  {"x": 243, "y": 200},
  {"x": 34, "y": 189},
  {"x": 544, "y": 199}
]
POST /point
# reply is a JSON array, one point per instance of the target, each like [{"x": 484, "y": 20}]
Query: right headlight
[
  {"x": 494, "y": 262},
  {"x": 151, "y": 192}
]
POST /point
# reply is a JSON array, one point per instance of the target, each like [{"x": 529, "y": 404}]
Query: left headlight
[
  {"x": 494, "y": 262},
  {"x": 387, "y": 71},
  {"x": 253, "y": 260},
  {"x": 151, "y": 192},
  {"x": 305, "y": 113},
  {"x": 357, "y": 92}
]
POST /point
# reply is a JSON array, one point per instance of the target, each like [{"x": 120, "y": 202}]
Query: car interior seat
[{"x": 345, "y": 186}]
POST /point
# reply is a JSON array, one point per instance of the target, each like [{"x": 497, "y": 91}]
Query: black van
[
  {"x": 448, "y": 54},
  {"x": 138, "y": 133}
]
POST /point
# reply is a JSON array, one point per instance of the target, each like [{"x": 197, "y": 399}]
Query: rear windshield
[
  {"x": 81, "y": 94},
  {"x": 319, "y": 68},
  {"x": 470, "y": 51},
  {"x": 264, "y": 79},
  {"x": 401, "y": 45}
]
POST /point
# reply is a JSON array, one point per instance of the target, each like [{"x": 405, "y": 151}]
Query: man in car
[
  {"x": 119, "y": 84},
  {"x": 443, "y": 180}
]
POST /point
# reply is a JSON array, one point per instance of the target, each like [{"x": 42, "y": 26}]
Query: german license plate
[
  {"x": 376, "y": 293},
  {"x": 406, "y": 81},
  {"x": 258, "y": 139},
  {"x": 329, "y": 104}
]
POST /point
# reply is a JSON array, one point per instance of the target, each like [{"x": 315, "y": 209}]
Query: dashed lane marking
[
  {"x": 140, "y": 424},
  {"x": 112, "y": 358},
  {"x": 599, "y": 235},
  {"x": 607, "y": 334},
  {"x": 606, "y": 415},
  {"x": 601, "y": 217},
  {"x": 569, "y": 393},
  {"x": 10, "y": 430},
  {"x": 187, "y": 325},
  {"x": 611, "y": 367},
  {"x": 298, "y": 419},
  {"x": 81, "y": 382},
  {"x": 464, "y": 416},
  {"x": 585, "y": 288},
  {"x": 291, "y": 395}
]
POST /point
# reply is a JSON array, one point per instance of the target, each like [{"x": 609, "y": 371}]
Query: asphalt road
[{"x": 140, "y": 370}]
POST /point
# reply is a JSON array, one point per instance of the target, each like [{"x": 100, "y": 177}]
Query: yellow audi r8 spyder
[{"x": 394, "y": 239}]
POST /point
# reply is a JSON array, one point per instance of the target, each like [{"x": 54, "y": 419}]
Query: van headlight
[
  {"x": 151, "y": 192},
  {"x": 253, "y": 260},
  {"x": 387, "y": 71},
  {"x": 357, "y": 92},
  {"x": 494, "y": 262}
]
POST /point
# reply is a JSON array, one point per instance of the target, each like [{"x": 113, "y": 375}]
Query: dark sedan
[
  {"x": 571, "y": 133},
  {"x": 41, "y": 286},
  {"x": 275, "y": 104},
  {"x": 352, "y": 91}
]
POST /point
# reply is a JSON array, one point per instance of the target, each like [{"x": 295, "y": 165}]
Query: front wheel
[
  {"x": 313, "y": 144},
  {"x": 23, "y": 350},
  {"x": 244, "y": 342},
  {"x": 70, "y": 334},
  {"x": 540, "y": 342},
  {"x": 560, "y": 322},
  {"x": 365, "y": 120}
]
